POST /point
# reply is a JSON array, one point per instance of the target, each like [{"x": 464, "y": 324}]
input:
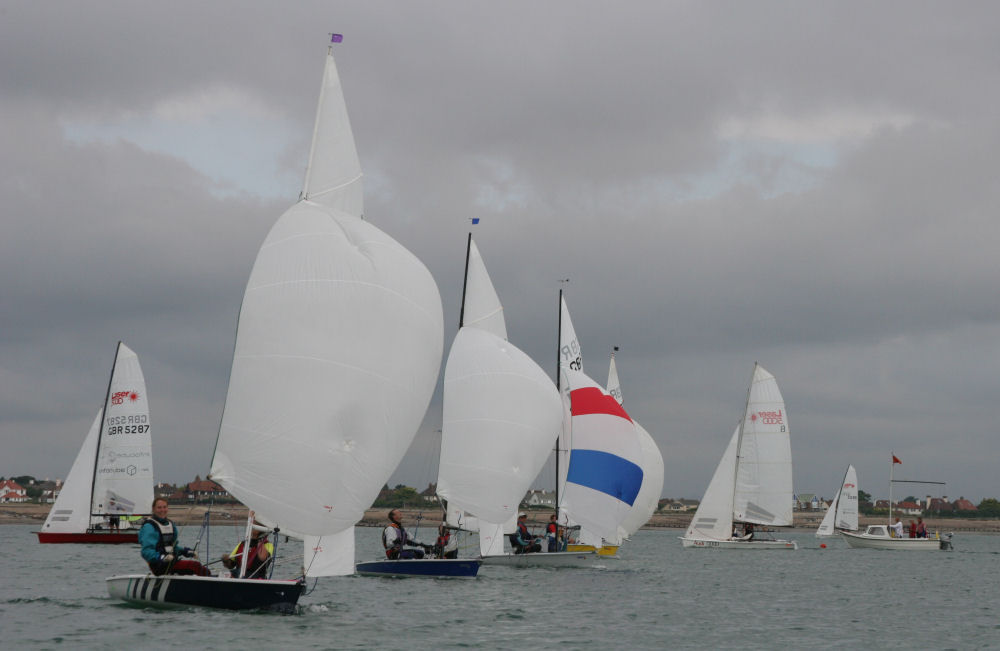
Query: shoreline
[{"x": 35, "y": 514}]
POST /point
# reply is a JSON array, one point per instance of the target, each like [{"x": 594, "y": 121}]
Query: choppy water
[{"x": 656, "y": 596}]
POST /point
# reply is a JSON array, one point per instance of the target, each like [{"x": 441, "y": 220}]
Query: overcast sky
[{"x": 807, "y": 185}]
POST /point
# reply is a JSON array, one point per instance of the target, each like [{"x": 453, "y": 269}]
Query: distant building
[
  {"x": 430, "y": 493},
  {"x": 11, "y": 491},
  {"x": 964, "y": 505},
  {"x": 539, "y": 498},
  {"x": 806, "y": 502}
]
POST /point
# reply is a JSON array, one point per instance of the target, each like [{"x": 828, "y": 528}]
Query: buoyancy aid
[
  {"x": 253, "y": 561},
  {"x": 168, "y": 535},
  {"x": 392, "y": 549}
]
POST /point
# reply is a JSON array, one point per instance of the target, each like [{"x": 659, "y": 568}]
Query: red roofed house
[
  {"x": 206, "y": 488},
  {"x": 11, "y": 491},
  {"x": 962, "y": 504}
]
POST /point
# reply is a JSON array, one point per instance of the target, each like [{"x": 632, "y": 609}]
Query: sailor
[
  {"x": 521, "y": 540},
  {"x": 446, "y": 546},
  {"x": 158, "y": 537},
  {"x": 261, "y": 553},
  {"x": 552, "y": 533},
  {"x": 395, "y": 538}
]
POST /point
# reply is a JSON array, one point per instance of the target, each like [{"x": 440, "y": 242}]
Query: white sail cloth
[
  {"x": 337, "y": 354},
  {"x": 843, "y": 512},
  {"x": 501, "y": 415}
]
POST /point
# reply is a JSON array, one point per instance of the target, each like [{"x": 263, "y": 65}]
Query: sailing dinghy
[
  {"x": 843, "y": 512},
  {"x": 337, "y": 354},
  {"x": 501, "y": 416},
  {"x": 600, "y": 471},
  {"x": 112, "y": 477},
  {"x": 752, "y": 484}
]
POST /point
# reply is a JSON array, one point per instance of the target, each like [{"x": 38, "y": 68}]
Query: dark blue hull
[
  {"x": 206, "y": 591},
  {"x": 455, "y": 568}
]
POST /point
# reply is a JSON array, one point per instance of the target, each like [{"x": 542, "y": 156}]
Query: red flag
[{"x": 895, "y": 459}]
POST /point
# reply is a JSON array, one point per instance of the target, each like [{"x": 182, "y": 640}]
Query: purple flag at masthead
[{"x": 336, "y": 38}]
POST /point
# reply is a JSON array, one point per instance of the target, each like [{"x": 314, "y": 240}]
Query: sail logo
[
  {"x": 768, "y": 417},
  {"x": 119, "y": 397}
]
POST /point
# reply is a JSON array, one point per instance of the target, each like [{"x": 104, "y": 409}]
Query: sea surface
[{"x": 655, "y": 596}]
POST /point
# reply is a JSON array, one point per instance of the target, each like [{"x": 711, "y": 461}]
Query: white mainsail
[
  {"x": 337, "y": 354},
  {"x": 501, "y": 415},
  {"x": 123, "y": 477},
  {"x": 843, "y": 512},
  {"x": 764, "y": 476}
]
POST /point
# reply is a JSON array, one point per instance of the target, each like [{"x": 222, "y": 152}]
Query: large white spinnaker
[
  {"x": 337, "y": 354},
  {"x": 501, "y": 415},
  {"x": 764, "y": 476},
  {"x": 123, "y": 477}
]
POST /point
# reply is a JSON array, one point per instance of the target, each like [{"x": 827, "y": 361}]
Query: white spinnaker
[
  {"x": 652, "y": 485},
  {"x": 847, "y": 505},
  {"x": 330, "y": 555},
  {"x": 71, "y": 511},
  {"x": 123, "y": 479},
  {"x": 714, "y": 518},
  {"x": 501, "y": 416},
  {"x": 764, "y": 477},
  {"x": 337, "y": 353},
  {"x": 333, "y": 174},
  {"x": 605, "y": 471},
  {"x": 501, "y": 413}
]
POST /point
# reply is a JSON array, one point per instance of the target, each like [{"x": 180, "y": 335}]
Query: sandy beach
[{"x": 34, "y": 515}]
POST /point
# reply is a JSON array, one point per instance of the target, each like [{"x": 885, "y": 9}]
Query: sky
[{"x": 807, "y": 185}]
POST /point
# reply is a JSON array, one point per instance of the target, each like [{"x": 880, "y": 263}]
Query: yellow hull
[{"x": 604, "y": 550}]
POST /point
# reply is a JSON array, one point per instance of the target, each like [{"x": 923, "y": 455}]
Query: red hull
[{"x": 90, "y": 537}]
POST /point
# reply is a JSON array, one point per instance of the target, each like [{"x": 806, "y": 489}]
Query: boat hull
[
  {"x": 434, "y": 568},
  {"x": 206, "y": 591},
  {"x": 544, "y": 559},
  {"x": 866, "y": 541},
  {"x": 706, "y": 543},
  {"x": 89, "y": 537},
  {"x": 604, "y": 550}
]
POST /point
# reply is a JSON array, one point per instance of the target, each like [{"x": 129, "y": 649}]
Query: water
[{"x": 657, "y": 596}]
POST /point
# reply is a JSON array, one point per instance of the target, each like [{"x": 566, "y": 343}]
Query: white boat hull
[
  {"x": 866, "y": 541},
  {"x": 706, "y": 543},
  {"x": 544, "y": 559}
]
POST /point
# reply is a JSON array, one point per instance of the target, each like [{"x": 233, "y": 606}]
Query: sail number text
[{"x": 134, "y": 424}]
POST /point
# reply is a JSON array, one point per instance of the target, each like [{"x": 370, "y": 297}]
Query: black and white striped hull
[{"x": 207, "y": 591}]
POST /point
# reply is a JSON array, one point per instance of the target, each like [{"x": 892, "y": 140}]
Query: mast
[
  {"x": 465, "y": 281},
  {"x": 739, "y": 443},
  {"x": 100, "y": 431},
  {"x": 559, "y": 389}
]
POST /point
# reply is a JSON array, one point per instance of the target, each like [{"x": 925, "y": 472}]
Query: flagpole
[{"x": 892, "y": 466}]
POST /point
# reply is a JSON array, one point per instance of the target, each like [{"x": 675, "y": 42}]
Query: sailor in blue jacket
[{"x": 158, "y": 537}]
